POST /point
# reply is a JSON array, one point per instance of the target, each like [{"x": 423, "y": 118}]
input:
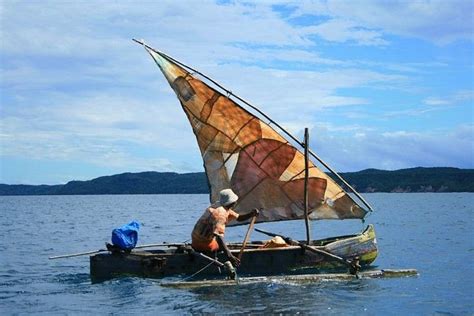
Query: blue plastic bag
[{"x": 126, "y": 237}]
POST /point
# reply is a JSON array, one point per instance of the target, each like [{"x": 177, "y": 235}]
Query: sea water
[{"x": 430, "y": 232}]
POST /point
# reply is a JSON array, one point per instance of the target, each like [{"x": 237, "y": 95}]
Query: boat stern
[
  {"x": 362, "y": 246},
  {"x": 370, "y": 248}
]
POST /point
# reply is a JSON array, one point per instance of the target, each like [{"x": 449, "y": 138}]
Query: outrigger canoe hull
[{"x": 256, "y": 261}]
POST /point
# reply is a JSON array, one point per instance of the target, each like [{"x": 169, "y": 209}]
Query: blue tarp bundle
[{"x": 126, "y": 237}]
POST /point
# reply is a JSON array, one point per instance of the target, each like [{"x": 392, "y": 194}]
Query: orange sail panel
[{"x": 244, "y": 153}]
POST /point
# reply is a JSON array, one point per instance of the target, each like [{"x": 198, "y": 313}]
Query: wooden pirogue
[
  {"x": 242, "y": 151},
  {"x": 256, "y": 260}
]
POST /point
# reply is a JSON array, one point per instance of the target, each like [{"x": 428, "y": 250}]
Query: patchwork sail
[{"x": 244, "y": 153}]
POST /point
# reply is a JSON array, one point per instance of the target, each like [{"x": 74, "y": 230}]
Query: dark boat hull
[{"x": 256, "y": 261}]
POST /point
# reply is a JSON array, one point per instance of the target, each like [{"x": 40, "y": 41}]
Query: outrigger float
[
  {"x": 242, "y": 151},
  {"x": 296, "y": 279}
]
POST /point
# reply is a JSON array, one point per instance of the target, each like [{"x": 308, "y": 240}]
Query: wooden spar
[
  {"x": 163, "y": 244},
  {"x": 229, "y": 93},
  {"x": 309, "y": 248},
  {"x": 227, "y": 265},
  {"x": 215, "y": 261},
  {"x": 247, "y": 236},
  {"x": 78, "y": 254},
  {"x": 302, "y": 278},
  {"x": 306, "y": 172},
  {"x": 93, "y": 252}
]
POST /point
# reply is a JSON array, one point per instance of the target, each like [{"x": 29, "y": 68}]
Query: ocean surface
[{"x": 433, "y": 233}]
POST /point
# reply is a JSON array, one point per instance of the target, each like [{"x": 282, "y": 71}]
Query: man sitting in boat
[{"x": 208, "y": 233}]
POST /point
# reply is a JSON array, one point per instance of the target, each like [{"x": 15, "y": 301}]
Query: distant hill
[
  {"x": 125, "y": 183},
  {"x": 412, "y": 180},
  {"x": 370, "y": 180}
]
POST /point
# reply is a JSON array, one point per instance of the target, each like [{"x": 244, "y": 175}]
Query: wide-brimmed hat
[{"x": 227, "y": 197}]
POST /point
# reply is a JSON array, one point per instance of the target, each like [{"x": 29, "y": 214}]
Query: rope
[{"x": 194, "y": 274}]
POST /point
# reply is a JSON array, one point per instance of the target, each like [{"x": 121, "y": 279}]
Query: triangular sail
[{"x": 244, "y": 153}]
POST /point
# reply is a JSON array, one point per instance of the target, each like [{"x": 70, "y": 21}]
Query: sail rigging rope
[
  {"x": 196, "y": 273},
  {"x": 199, "y": 271}
]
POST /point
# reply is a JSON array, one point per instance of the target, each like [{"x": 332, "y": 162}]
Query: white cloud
[
  {"x": 337, "y": 30},
  {"x": 397, "y": 149},
  {"x": 99, "y": 129},
  {"x": 286, "y": 94},
  {"x": 367, "y": 21},
  {"x": 453, "y": 99},
  {"x": 77, "y": 87},
  {"x": 92, "y": 125},
  {"x": 436, "y": 101},
  {"x": 66, "y": 28},
  {"x": 414, "y": 111}
]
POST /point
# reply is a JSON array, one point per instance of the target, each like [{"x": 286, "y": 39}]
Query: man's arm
[
  {"x": 244, "y": 217},
  {"x": 224, "y": 247}
]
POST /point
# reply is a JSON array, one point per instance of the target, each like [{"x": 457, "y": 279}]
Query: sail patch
[
  {"x": 230, "y": 163},
  {"x": 183, "y": 89}
]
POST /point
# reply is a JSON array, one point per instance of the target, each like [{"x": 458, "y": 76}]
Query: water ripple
[{"x": 411, "y": 229}]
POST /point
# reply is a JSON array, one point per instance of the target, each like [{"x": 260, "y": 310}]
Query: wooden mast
[{"x": 306, "y": 175}]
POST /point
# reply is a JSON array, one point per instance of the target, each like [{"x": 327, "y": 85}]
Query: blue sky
[{"x": 380, "y": 84}]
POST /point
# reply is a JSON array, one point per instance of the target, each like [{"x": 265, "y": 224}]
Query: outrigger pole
[
  {"x": 229, "y": 93},
  {"x": 93, "y": 252}
]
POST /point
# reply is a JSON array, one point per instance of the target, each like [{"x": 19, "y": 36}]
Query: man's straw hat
[{"x": 227, "y": 197}]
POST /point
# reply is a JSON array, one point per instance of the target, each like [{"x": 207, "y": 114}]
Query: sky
[{"x": 379, "y": 84}]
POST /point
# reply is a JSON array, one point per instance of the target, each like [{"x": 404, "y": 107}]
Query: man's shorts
[{"x": 205, "y": 246}]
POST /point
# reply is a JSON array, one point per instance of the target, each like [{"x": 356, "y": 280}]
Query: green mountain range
[{"x": 370, "y": 180}]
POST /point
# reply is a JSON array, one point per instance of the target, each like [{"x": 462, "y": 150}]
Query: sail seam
[
  {"x": 272, "y": 151},
  {"x": 257, "y": 184},
  {"x": 293, "y": 177},
  {"x": 207, "y": 124},
  {"x": 236, "y": 135},
  {"x": 264, "y": 171},
  {"x": 242, "y": 127},
  {"x": 210, "y": 103},
  {"x": 233, "y": 152}
]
